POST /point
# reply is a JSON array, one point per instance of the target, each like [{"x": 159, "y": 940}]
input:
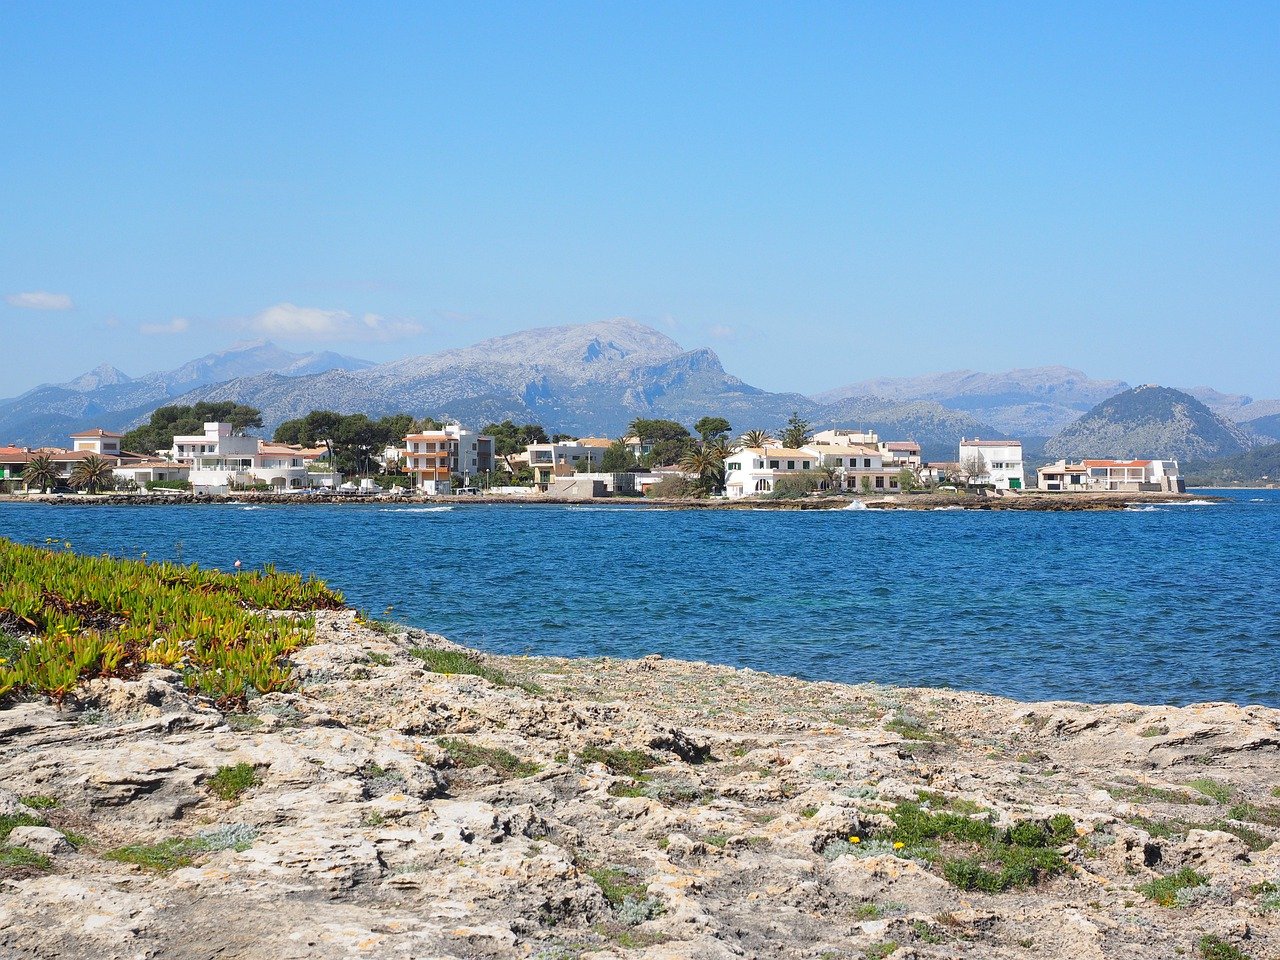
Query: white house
[
  {"x": 104, "y": 443},
  {"x": 859, "y": 467},
  {"x": 844, "y": 437},
  {"x": 996, "y": 463},
  {"x": 1132, "y": 476},
  {"x": 549, "y": 460},
  {"x": 755, "y": 470},
  {"x": 218, "y": 458}
]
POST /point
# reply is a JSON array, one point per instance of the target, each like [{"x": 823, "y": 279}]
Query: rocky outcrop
[{"x": 548, "y": 808}]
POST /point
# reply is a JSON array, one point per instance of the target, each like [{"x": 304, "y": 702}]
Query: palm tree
[
  {"x": 40, "y": 472},
  {"x": 92, "y": 474},
  {"x": 755, "y": 438},
  {"x": 704, "y": 463}
]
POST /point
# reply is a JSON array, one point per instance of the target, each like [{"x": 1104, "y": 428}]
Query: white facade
[
  {"x": 1001, "y": 462},
  {"x": 844, "y": 437},
  {"x": 752, "y": 471},
  {"x": 433, "y": 458},
  {"x": 217, "y": 459},
  {"x": 1132, "y": 476},
  {"x": 549, "y": 460}
]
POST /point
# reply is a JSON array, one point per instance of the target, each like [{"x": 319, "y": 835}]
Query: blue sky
[{"x": 820, "y": 192}]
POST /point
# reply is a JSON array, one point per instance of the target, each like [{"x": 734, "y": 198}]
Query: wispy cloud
[
  {"x": 288, "y": 321},
  {"x": 176, "y": 325},
  {"x": 40, "y": 300},
  {"x": 722, "y": 332}
]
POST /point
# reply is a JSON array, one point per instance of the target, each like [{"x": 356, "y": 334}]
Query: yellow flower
[
  {"x": 899, "y": 845},
  {"x": 855, "y": 839}
]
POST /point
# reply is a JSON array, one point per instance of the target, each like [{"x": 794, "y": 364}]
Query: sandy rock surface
[{"x": 397, "y": 812}]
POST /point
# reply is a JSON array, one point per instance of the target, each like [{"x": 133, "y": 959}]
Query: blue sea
[{"x": 1167, "y": 604}]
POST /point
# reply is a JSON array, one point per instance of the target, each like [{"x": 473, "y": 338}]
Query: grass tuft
[
  {"x": 1164, "y": 890},
  {"x": 627, "y": 763},
  {"x": 456, "y": 663},
  {"x": 1215, "y": 948},
  {"x": 467, "y": 755},
  {"x": 230, "y": 782}
]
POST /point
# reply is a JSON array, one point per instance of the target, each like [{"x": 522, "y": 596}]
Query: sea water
[{"x": 1175, "y": 604}]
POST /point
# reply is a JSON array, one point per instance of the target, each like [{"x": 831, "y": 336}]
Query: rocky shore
[
  {"x": 553, "y": 809},
  {"x": 1029, "y": 500}
]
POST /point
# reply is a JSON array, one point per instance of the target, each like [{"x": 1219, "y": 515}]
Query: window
[
  {"x": 733, "y": 466},
  {"x": 867, "y": 463},
  {"x": 791, "y": 464},
  {"x": 805, "y": 464},
  {"x": 880, "y": 482},
  {"x": 839, "y": 461},
  {"x": 773, "y": 464}
]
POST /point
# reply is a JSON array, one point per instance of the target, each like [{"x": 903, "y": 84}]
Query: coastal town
[{"x": 659, "y": 459}]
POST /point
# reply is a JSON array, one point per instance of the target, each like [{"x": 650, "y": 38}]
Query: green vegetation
[
  {"x": 92, "y": 474},
  {"x": 230, "y": 782},
  {"x": 177, "y": 852},
  {"x": 1153, "y": 731},
  {"x": 87, "y": 617},
  {"x": 20, "y": 859},
  {"x": 617, "y": 885},
  {"x": 40, "y": 473},
  {"x": 668, "y": 441},
  {"x": 1213, "y": 789},
  {"x": 1175, "y": 827},
  {"x": 1164, "y": 890},
  {"x": 797, "y": 432},
  {"x": 910, "y": 727},
  {"x": 1215, "y": 948},
  {"x": 464, "y": 754},
  {"x": 972, "y": 853},
  {"x": 880, "y": 950},
  {"x": 1146, "y": 793},
  {"x": 351, "y": 439},
  {"x": 39, "y": 802},
  {"x": 168, "y": 422},
  {"x": 628, "y": 763},
  {"x": 454, "y": 662}
]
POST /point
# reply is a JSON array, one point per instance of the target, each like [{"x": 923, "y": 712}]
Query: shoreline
[
  {"x": 1037, "y": 501},
  {"x": 646, "y": 809}
]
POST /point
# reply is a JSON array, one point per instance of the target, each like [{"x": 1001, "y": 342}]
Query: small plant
[
  {"x": 617, "y": 884},
  {"x": 467, "y": 755},
  {"x": 1164, "y": 890},
  {"x": 716, "y": 840},
  {"x": 162, "y": 857},
  {"x": 1215, "y": 948},
  {"x": 880, "y": 950},
  {"x": 628, "y": 763},
  {"x": 809, "y": 812},
  {"x": 40, "y": 802},
  {"x": 454, "y": 663},
  {"x": 20, "y": 859},
  {"x": 1157, "y": 730},
  {"x": 10, "y": 821},
  {"x": 230, "y": 782},
  {"x": 1213, "y": 789},
  {"x": 910, "y": 727},
  {"x": 380, "y": 659}
]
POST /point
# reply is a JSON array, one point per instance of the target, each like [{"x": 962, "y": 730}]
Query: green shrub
[
  {"x": 630, "y": 763},
  {"x": 467, "y": 755},
  {"x": 40, "y": 802},
  {"x": 1215, "y": 948},
  {"x": 1164, "y": 890},
  {"x": 230, "y": 782},
  {"x": 9, "y": 821},
  {"x": 162, "y": 857},
  {"x": 617, "y": 884}
]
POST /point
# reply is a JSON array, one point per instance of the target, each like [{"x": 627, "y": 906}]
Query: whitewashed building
[
  {"x": 1132, "y": 476},
  {"x": 755, "y": 470},
  {"x": 549, "y": 460},
  {"x": 998, "y": 463},
  {"x": 219, "y": 459}
]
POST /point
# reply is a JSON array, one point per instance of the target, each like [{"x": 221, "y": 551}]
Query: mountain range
[{"x": 597, "y": 377}]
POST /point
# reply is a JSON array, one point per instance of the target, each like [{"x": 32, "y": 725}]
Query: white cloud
[
  {"x": 40, "y": 300},
  {"x": 721, "y": 332},
  {"x": 176, "y": 325},
  {"x": 288, "y": 321}
]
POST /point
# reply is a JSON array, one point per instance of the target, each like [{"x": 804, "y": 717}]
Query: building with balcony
[
  {"x": 432, "y": 458},
  {"x": 550, "y": 460},
  {"x": 995, "y": 463},
  {"x": 1128, "y": 476}
]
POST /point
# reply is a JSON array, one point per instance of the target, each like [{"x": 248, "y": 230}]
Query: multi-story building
[
  {"x": 1131, "y": 476},
  {"x": 549, "y": 460},
  {"x": 996, "y": 463},
  {"x": 859, "y": 468},
  {"x": 97, "y": 441},
  {"x": 433, "y": 457},
  {"x": 219, "y": 459},
  {"x": 755, "y": 470}
]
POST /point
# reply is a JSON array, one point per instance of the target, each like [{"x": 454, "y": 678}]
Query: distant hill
[
  {"x": 1150, "y": 421},
  {"x": 1260, "y": 465},
  {"x": 1037, "y": 401},
  {"x": 106, "y": 397},
  {"x": 1266, "y": 428},
  {"x": 583, "y": 378},
  {"x": 1238, "y": 407}
]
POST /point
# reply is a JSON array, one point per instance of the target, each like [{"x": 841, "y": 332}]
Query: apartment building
[
  {"x": 996, "y": 463},
  {"x": 1131, "y": 476},
  {"x": 432, "y": 458}
]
